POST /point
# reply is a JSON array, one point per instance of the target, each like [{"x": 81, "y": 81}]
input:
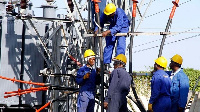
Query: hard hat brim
[{"x": 114, "y": 59}]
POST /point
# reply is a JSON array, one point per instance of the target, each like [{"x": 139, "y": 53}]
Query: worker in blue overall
[
  {"x": 87, "y": 78},
  {"x": 119, "y": 23},
  {"x": 160, "y": 88},
  {"x": 119, "y": 86},
  {"x": 180, "y": 85}
]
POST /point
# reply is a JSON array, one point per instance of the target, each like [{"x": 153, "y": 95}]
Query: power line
[
  {"x": 167, "y": 43},
  {"x": 168, "y": 37},
  {"x": 164, "y": 10},
  {"x": 142, "y": 17},
  {"x": 148, "y": 3}
]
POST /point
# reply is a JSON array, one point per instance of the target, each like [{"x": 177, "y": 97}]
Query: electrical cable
[
  {"x": 142, "y": 17},
  {"x": 168, "y": 43},
  {"x": 168, "y": 37},
  {"x": 164, "y": 10},
  {"x": 148, "y": 3}
]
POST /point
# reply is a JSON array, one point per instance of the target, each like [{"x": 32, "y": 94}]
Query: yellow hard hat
[
  {"x": 109, "y": 9},
  {"x": 120, "y": 57},
  {"x": 88, "y": 53},
  {"x": 162, "y": 61},
  {"x": 177, "y": 58}
]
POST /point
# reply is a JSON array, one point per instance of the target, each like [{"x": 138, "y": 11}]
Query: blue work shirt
[
  {"x": 90, "y": 83},
  {"x": 118, "y": 23},
  {"x": 120, "y": 82},
  {"x": 160, "y": 91},
  {"x": 179, "y": 90}
]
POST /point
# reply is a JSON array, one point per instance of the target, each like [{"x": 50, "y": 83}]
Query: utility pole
[
  {"x": 101, "y": 53},
  {"x": 139, "y": 103}
]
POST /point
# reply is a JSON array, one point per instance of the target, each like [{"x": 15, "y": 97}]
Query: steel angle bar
[
  {"x": 46, "y": 34},
  {"x": 79, "y": 35},
  {"x": 139, "y": 12},
  {"x": 134, "y": 34},
  {"x": 57, "y": 19},
  {"x": 57, "y": 87},
  {"x": 79, "y": 14},
  {"x": 65, "y": 43},
  {"x": 40, "y": 50},
  {"x": 51, "y": 19},
  {"x": 36, "y": 43},
  {"x": 122, "y": 1},
  {"x": 142, "y": 74},
  {"x": 44, "y": 46},
  {"x": 51, "y": 36}
]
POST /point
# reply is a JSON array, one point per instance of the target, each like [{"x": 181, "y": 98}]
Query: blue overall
[
  {"x": 118, "y": 24},
  {"x": 179, "y": 91},
  {"x": 160, "y": 92},
  {"x": 119, "y": 87},
  {"x": 86, "y": 97}
]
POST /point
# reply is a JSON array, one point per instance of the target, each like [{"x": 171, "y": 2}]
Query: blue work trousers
[
  {"x": 85, "y": 102},
  {"x": 174, "y": 107},
  {"x": 118, "y": 103},
  {"x": 163, "y": 104},
  {"x": 110, "y": 44}
]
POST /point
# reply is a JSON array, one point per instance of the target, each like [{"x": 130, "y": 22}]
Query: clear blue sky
[{"x": 186, "y": 17}]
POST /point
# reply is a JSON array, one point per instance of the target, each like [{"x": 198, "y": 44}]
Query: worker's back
[
  {"x": 160, "y": 91},
  {"x": 122, "y": 80}
]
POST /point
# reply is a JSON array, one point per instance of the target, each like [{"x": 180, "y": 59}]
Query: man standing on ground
[
  {"x": 160, "y": 88},
  {"x": 87, "y": 78},
  {"x": 180, "y": 85},
  {"x": 119, "y": 87}
]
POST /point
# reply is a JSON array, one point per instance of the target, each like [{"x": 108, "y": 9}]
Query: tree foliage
[{"x": 193, "y": 76}]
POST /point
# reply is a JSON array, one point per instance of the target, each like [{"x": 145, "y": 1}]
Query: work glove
[
  {"x": 86, "y": 76},
  {"x": 150, "y": 108}
]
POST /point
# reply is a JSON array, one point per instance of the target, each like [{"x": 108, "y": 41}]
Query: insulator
[
  {"x": 71, "y": 5},
  {"x": 49, "y": 0},
  {"x": 23, "y": 4},
  {"x": 9, "y": 8}
]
